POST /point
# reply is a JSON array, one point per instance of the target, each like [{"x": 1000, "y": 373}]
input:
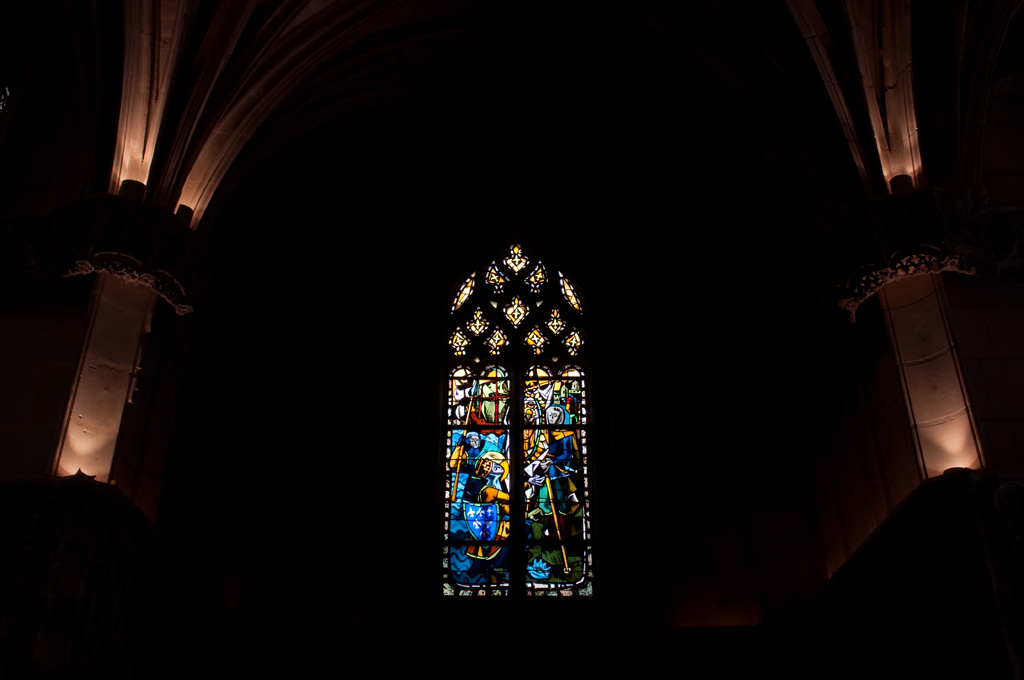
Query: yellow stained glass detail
[
  {"x": 515, "y": 260},
  {"x": 537, "y": 278},
  {"x": 536, "y": 340},
  {"x": 477, "y": 324},
  {"x": 516, "y": 311},
  {"x": 555, "y": 323},
  {"x": 464, "y": 292},
  {"x": 574, "y": 342},
  {"x": 496, "y": 341},
  {"x": 459, "y": 343},
  {"x": 569, "y": 292},
  {"x": 495, "y": 278}
]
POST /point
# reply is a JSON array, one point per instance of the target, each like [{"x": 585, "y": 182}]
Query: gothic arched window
[{"x": 516, "y": 463}]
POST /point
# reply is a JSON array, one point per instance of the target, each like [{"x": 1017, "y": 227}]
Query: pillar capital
[{"x": 118, "y": 235}]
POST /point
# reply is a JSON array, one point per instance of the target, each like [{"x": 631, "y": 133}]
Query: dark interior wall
[
  {"x": 861, "y": 457},
  {"x": 41, "y": 334},
  {"x": 59, "y": 124},
  {"x": 304, "y": 472},
  {"x": 987, "y": 322},
  {"x": 1003, "y": 169}
]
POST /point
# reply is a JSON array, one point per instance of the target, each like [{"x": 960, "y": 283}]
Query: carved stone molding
[
  {"x": 924, "y": 232},
  {"x": 129, "y": 239}
]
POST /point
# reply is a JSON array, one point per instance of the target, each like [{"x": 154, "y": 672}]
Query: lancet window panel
[
  {"x": 555, "y": 461},
  {"x": 477, "y": 480}
]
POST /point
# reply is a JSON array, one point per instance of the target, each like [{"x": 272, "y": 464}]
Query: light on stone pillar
[
  {"x": 937, "y": 401},
  {"x": 121, "y": 314}
]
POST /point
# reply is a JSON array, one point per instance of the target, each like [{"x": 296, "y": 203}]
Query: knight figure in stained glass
[{"x": 553, "y": 469}]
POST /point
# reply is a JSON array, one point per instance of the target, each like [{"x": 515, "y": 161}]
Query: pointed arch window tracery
[{"x": 516, "y": 461}]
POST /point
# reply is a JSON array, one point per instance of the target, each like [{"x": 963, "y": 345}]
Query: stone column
[
  {"x": 120, "y": 319},
  {"x": 937, "y": 400}
]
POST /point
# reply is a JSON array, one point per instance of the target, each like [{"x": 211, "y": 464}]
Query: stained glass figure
[
  {"x": 573, "y": 342},
  {"x": 464, "y": 291},
  {"x": 536, "y": 340},
  {"x": 497, "y": 340},
  {"x": 516, "y": 311},
  {"x": 537, "y": 278},
  {"x": 569, "y": 292},
  {"x": 477, "y": 324},
  {"x": 555, "y": 323},
  {"x": 516, "y": 260},
  {"x": 459, "y": 343},
  {"x": 477, "y": 479},
  {"x": 556, "y": 501},
  {"x": 495, "y": 278}
]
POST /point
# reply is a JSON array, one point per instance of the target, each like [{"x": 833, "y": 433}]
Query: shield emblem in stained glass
[
  {"x": 516, "y": 311},
  {"x": 483, "y": 519}
]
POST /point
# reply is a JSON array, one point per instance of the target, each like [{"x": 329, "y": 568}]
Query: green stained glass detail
[
  {"x": 574, "y": 394},
  {"x": 569, "y": 292},
  {"x": 516, "y": 311},
  {"x": 459, "y": 342},
  {"x": 516, "y": 260},
  {"x": 536, "y": 340},
  {"x": 574, "y": 342},
  {"x": 464, "y": 291},
  {"x": 537, "y": 278},
  {"x": 495, "y": 278},
  {"x": 555, "y": 323},
  {"x": 497, "y": 341}
]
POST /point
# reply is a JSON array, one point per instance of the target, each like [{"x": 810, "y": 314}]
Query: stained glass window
[
  {"x": 516, "y": 462},
  {"x": 516, "y": 311},
  {"x": 555, "y": 323},
  {"x": 569, "y": 292},
  {"x": 537, "y": 278},
  {"x": 465, "y": 290},
  {"x": 478, "y": 324},
  {"x": 495, "y": 278},
  {"x": 516, "y": 259},
  {"x": 536, "y": 340},
  {"x": 458, "y": 343}
]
